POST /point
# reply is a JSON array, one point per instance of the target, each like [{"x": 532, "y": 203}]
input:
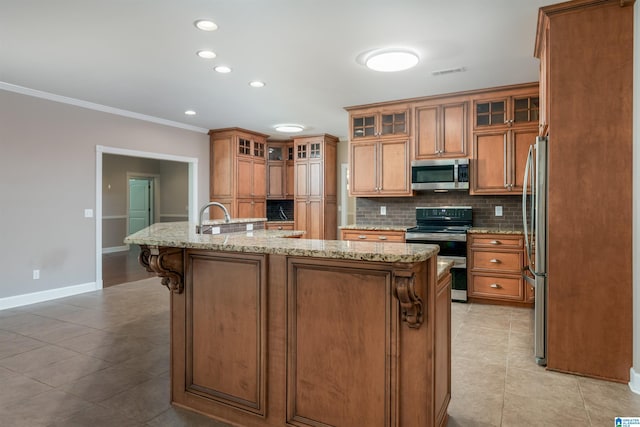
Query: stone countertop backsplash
[{"x": 183, "y": 235}]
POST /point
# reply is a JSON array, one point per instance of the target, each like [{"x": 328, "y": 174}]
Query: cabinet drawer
[
  {"x": 280, "y": 226},
  {"x": 510, "y": 262},
  {"x": 498, "y": 241},
  {"x": 371, "y": 235},
  {"x": 509, "y": 288}
]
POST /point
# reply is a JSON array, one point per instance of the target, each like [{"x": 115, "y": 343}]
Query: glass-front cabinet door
[{"x": 380, "y": 124}]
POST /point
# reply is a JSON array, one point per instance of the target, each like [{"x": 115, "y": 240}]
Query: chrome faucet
[{"x": 227, "y": 218}]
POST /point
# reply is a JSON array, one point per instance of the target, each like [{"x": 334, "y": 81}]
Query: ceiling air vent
[{"x": 448, "y": 71}]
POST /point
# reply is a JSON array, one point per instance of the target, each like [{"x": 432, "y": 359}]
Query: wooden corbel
[
  {"x": 166, "y": 263},
  {"x": 410, "y": 302}
]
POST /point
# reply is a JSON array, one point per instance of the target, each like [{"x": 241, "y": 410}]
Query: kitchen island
[{"x": 272, "y": 331}]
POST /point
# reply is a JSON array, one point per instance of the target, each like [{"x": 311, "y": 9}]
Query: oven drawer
[
  {"x": 509, "y": 288},
  {"x": 497, "y": 241},
  {"x": 508, "y": 262},
  {"x": 373, "y": 235}
]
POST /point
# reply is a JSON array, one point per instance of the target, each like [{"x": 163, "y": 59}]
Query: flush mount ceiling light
[
  {"x": 257, "y": 83},
  {"x": 190, "y": 113},
  {"x": 205, "y": 25},
  {"x": 390, "y": 59},
  {"x": 289, "y": 128},
  {"x": 206, "y": 54},
  {"x": 222, "y": 69}
]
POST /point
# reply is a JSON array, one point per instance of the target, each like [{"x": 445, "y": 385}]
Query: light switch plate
[
  {"x": 249, "y": 227},
  {"x": 498, "y": 210},
  {"x": 88, "y": 213},
  {"x": 215, "y": 230}
]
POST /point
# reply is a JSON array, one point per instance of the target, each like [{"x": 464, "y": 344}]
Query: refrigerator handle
[{"x": 525, "y": 184}]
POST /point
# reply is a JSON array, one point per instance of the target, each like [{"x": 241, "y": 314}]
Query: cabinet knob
[
  {"x": 495, "y": 242},
  {"x": 279, "y": 227},
  {"x": 495, "y": 261},
  {"x": 495, "y": 286},
  {"x": 362, "y": 236}
]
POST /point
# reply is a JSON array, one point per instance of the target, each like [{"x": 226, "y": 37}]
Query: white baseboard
[
  {"x": 35, "y": 297},
  {"x": 634, "y": 383},
  {"x": 115, "y": 249}
]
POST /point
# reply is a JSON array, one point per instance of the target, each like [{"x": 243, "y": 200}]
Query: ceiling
[{"x": 140, "y": 55}]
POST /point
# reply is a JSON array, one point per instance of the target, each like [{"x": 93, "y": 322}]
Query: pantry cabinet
[
  {"x": 238, "y": 172},
  {"x": 494, "y": 268},
  {"x": 441, "y": 129},
  {"x": 315, "y": 186}
]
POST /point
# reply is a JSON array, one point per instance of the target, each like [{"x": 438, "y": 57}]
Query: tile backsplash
[{"x": 401, "y": 210}]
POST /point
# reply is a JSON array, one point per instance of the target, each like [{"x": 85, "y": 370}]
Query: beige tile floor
[{"x": 101, "y": 359}]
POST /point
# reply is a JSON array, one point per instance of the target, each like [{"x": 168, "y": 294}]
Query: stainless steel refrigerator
[{"x": 534, "y": 217}]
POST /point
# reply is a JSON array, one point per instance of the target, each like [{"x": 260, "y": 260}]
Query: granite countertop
[
  {"x": 495, "y": 230},
  {"x": 183, "y": 235},
  {"x": 376, "y": 227},
  {"x": 443, "y": 267},
  {"x": 233, "y": 221}
]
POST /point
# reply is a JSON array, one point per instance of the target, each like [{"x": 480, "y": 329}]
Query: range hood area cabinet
[
  {"x": 238, "y": 172},
  {"x": 442, "y": 129},
  {"x": 586, "y": 58},
  {"x": 280, "y": 170}
]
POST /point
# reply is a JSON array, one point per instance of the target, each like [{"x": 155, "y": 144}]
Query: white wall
[
  {"x": 48, "y": 179},
  {"x": 635, "y": 371}
]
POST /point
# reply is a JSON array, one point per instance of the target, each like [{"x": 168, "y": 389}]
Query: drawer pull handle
[
  {"x": 382, "y": 237},
  {"x": 495, "y": 242},
  {"x": 362, "y": 236},
  {"x": 495, "y": 286},
  {"x": 495, "y": 261},
  {"x": 279, "y": 227}
]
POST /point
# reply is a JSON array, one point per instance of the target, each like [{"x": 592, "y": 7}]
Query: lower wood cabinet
[
  {"x": 274, "y": 340},
  {"x": 372, "y": 235},
  {"x": 494, "y": 268}
]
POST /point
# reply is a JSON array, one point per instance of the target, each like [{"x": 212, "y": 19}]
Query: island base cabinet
[{"x": 273, "y": 340}]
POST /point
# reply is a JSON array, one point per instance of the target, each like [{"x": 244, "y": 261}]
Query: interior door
[{"x": 140, "y": 203}]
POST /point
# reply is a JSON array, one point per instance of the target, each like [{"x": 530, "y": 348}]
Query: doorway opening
[{"x": 141, "y": 209}]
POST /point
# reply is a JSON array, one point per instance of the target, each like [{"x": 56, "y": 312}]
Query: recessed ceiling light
[
  {"x": 393, "y": 59},
  {"x": 206, "y": 54},
  {"x": 222, "y": 69},
  {"x": 205, "y": 25},
  {"x": 289, "y": 128},
  {"x": 190, "y": 113},
  {"x": 256, "y": 83}
]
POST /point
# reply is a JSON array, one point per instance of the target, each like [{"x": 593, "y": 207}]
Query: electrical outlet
[
  {"x": 249, "y": 227},
  {"x": 498, "y": 210},
  {"x": 215, "y": 230},
  {"x": 36, "y": 274},
  {"x": 88, "y": 213},
  {"x": 383, "y": 210}
]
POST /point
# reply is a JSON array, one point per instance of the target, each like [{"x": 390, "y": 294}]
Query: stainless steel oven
[{"x": 446, "y": 226}]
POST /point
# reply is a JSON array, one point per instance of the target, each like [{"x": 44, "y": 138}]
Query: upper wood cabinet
[
  {"x": 280, "y": 170},
  {"x": 441, "y": 129},
  {"x": 506, "y": 108},
  {"x": 380, "y": 168},
  {"x": 315, "y": 186},
  {"x": 238, "y": 172},
  {"x": 499, "y": 160},
  {"x": 386, "y": 122},
  {"x": 505, "y": 124}
]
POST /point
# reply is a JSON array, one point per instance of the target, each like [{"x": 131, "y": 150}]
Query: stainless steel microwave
[{"x": 440, "y": 174}]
